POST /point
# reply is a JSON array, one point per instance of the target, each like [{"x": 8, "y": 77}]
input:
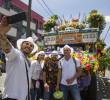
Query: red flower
[
  {"x": 81, "y": 63},
  {"x": 88, "y": 67}
]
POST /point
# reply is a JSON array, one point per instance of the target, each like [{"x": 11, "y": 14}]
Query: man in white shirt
[
  {"x": 17, "y": 66},
  {"x": 68, "y": 73}
]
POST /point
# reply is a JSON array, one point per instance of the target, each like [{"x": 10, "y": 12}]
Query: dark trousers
[
  {"x": 48, "y": 95},
  {"x": 37, "y": 93}
]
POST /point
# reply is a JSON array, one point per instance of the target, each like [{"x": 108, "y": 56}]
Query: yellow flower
[
  {"x": 96, "y": 66},
  {"x": 32, "y": 58},
  {"x": 1, "y": 62}
]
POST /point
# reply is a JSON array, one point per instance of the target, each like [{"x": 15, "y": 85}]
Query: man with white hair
[
  {"x": 17, "y": 81},
  {"x": 68, "y": 74}
]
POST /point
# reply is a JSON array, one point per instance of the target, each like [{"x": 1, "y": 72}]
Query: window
[{"x": 7, "y": 4}]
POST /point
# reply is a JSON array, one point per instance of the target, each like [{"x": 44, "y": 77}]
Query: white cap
[
  {"x": 67, "y": 46},
  {"x": 29, "y": 39},
  {"x": 39, "y": 53}
]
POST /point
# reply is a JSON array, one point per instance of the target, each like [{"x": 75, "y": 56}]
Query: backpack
[{"x": 83, "y": 81}]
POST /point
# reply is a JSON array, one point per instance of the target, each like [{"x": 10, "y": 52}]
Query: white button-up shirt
[{"x": 16, "y": 79}]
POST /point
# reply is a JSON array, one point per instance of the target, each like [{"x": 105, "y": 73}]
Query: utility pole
[{"x": 28, "y": 34}]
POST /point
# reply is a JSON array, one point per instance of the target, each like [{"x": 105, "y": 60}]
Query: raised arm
[{"x": 4, "y": 28}]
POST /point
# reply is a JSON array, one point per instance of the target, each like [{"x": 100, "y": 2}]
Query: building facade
[{"x": 11, "y": 7}]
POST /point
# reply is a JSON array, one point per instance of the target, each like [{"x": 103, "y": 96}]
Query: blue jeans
[{"x": 73, "y": 89}]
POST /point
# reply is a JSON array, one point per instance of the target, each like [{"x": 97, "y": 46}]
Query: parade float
[
  {"x": 82, "y": 36},
  {"x": 85, "y": 36},
  {"x": 74, "y": 32}
]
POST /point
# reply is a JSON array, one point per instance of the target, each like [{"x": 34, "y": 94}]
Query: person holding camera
[{"x": 17, "y": 83}]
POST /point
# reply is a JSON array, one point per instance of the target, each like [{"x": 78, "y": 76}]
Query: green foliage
[
  {"x": 108, "y": 51},
  {"x": 104, "y": 61},
  {"x": 54, "y": 17},
  {"x": 50, "y": 23},
  {"x": 93, "y": 11},
  {"x": 96, "y": 20},
  {"x": 100, "y": 44}
]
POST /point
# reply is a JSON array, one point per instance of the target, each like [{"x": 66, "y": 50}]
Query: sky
[{"x": 69, "y": 8}]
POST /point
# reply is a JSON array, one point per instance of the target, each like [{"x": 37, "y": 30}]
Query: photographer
[{"x": 17, "y": 83}]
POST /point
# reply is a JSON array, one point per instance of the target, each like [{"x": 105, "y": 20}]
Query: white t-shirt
[
  {"x": 68, "y": 70},
  {"x": 36, "y": 70},
  {"x": 16, "y": 80}
]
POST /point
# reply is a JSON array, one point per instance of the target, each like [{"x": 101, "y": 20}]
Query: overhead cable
[
  {"x": 47, "y": 7},
  {"x": 43, "y": 7}
]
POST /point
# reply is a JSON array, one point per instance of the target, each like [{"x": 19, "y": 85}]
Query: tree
[
  {"x": 96, "y": 20},
  {"x": 54, "y": 17}
]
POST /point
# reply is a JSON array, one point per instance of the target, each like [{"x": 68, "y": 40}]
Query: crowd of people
[{"x": 40, "y": 78}]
